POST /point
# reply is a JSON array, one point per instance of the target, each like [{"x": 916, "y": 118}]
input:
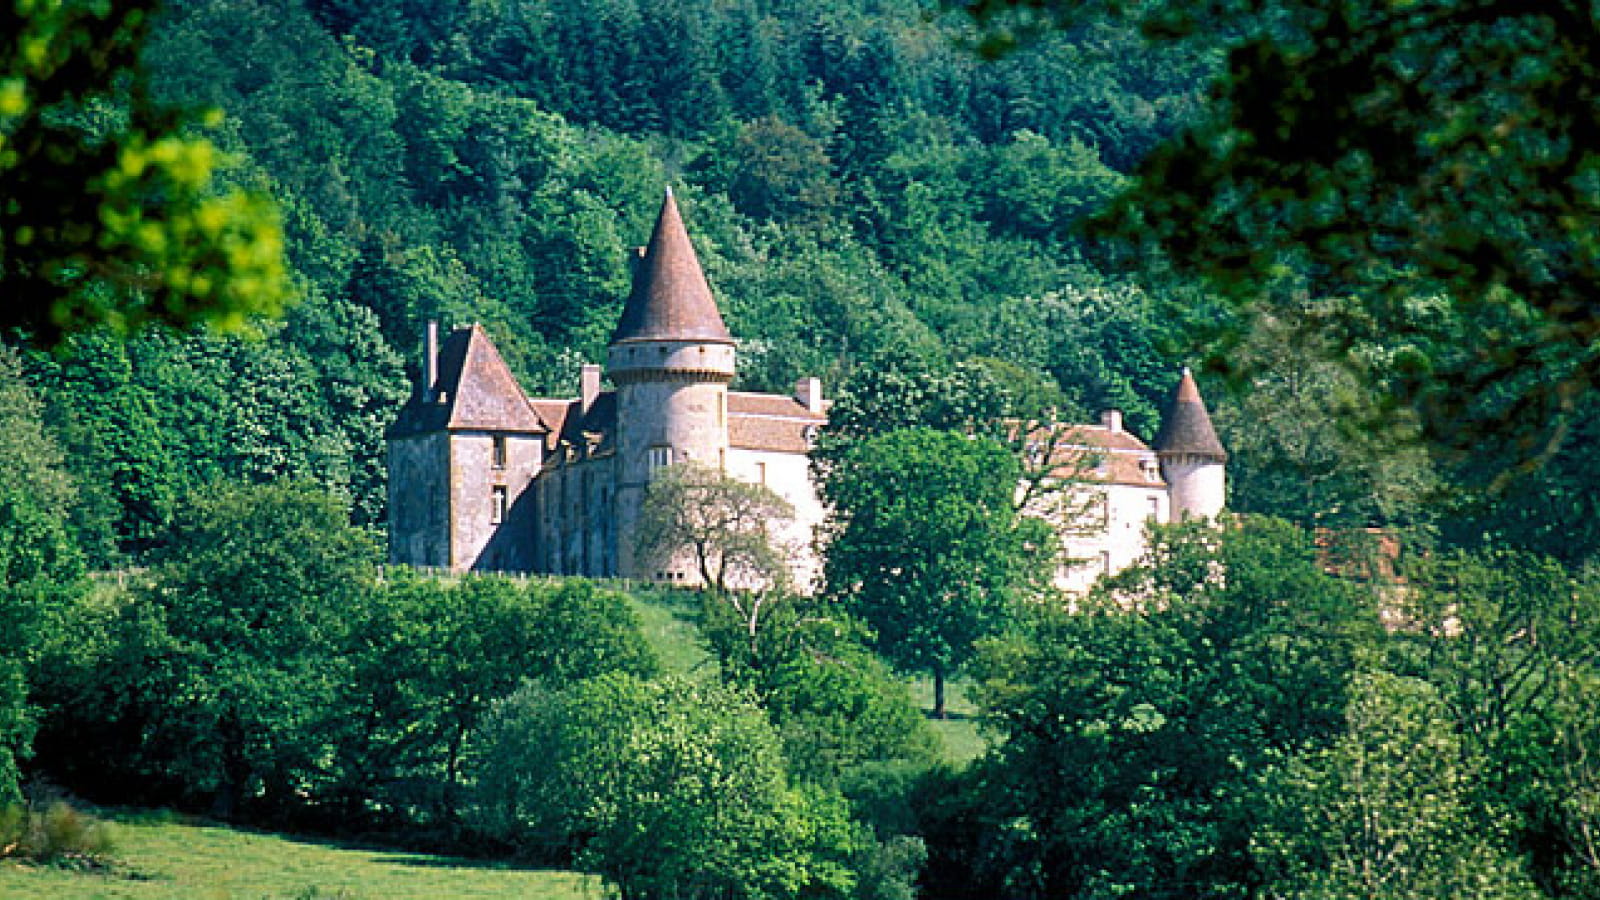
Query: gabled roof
[
  {"x": 475, "y": 392},
  {"x": 771, "y": 422},
  {"x": 671, "y": 299},
  {"x": 1186, "y": 428}
]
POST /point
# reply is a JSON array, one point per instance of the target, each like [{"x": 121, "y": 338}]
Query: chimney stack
[
  {"x": 588, "y": 386},
  {"x": 1112, "y": 420},
  {"x": 430, "y": 362},
  {"x": 809, "y": 392}
]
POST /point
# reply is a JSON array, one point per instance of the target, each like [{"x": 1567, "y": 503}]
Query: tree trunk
[{"x": 938, "y": 692}]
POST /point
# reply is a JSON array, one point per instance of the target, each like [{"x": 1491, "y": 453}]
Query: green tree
[
  {"x": 1385, "y": 811},
  {"x": 428, "y": 658},
  {"x": 926, "y": 547},
  {"x": 38, "y": 562},
  {"x": 1508, "y": 639},
  {"x": 668, "y": 788},
  {"x": 110, "y": 217},
  {"x": 109, "y": 422},
  {"x": 254, "y": 596},
  {"x": 1433, "y": 168},
  {"x": 777, "y": 172},
  {"x": 1131, "y": 728},
  {"x": 836, "y": 705},
  {"x": 723, "y": 527}
]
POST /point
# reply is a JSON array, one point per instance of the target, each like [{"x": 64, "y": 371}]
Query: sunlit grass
[
  {"x": 670, "y": 622},
  {"x": 161, "y": 858},
  {"x": 959, "y": 731}
]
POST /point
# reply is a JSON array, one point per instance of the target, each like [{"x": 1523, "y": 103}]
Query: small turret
[{"x": 1193, "y": 460}]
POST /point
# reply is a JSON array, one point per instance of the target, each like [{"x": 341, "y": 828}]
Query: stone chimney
[
  {"x": 809, "y": 392},
  {"x": 588, "y": 386},
  {"x": 430, "y": 362},
  {"x": 1112, "y": 420}
]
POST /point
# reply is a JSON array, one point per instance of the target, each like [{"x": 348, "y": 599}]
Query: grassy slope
[
  {"x": 669, "y": 621},
  {"x": 163, "y": 859}
]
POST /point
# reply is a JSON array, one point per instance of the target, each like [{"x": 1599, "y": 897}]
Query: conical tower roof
[
  {"x": 671, "y": 300},
  {"x": 1186, "y": 429}
]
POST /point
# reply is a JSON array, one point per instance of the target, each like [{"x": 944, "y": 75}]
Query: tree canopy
[
  {"x": 927, "y": 547},
  {"x": 110, "y": 215},
  {"x": 1432, "y": 172}
]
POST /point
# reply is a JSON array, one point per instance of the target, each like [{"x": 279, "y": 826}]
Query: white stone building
[{"x": 481, "y": 477}]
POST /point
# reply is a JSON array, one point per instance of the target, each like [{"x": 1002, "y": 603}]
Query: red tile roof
[
  {"x": 771, "y": 422},
  {"x": 1092, "y": 453}
]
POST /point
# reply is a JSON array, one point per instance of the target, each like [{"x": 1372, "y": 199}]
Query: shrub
[{"x": 57, "y": 834}]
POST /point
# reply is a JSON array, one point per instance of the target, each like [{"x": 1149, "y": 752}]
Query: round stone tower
[
  {"x": 1192, "y": 458},
  {"x": 671, "y": 359}
]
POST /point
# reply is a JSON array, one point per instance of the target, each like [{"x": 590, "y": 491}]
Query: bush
[
  {"x": 666, "y": 788},
  {"x": 57, "y": 834}
]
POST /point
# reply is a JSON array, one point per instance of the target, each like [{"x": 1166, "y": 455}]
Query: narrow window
[
  {"x": 659, "y": 457},
  {"x": 1105, "y": 562},
  {"x": 761, "y": 473},
  {"x": 499, "y": 451},
  {"x": 497, "y": 505},
  {"x": 1155, "y": 508}
]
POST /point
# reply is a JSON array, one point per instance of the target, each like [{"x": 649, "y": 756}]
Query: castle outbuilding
[{"x": 484, "y": 478}]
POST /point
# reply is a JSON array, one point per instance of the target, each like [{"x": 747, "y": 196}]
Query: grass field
[
  {"x": 962, "y": 741},
  {"x": 161, "y": 858}
]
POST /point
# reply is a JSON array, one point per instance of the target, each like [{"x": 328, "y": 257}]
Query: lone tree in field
[{"x": 926, "y": 545}]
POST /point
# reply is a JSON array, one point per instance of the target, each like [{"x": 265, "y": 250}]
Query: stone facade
[{"x": 481, "y": 477}]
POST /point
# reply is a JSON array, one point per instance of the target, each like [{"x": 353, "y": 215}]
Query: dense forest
[{"x": 936, "y": 225}]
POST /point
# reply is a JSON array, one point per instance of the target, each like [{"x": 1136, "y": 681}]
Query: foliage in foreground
[
  {"x": 111, "y": 218},
  {"x": 1228, "y": 719},
  {"x": 667, "y": 788}
]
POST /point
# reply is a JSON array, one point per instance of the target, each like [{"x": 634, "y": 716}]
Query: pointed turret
[
  {"x": 1193, "y": 460},
  {"x": 671, "y": 300},
  {"x": 671, "y": 359},
  {"x": 1186, "y": 429}
]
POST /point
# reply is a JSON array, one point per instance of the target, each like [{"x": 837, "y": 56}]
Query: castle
[{"x": 482, "y": 477}]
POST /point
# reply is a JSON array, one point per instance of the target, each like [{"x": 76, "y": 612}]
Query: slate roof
[
  {"x": 770, "y": 422},
  {"x": 475, "y": 392},
  {"x": 589, "y": 435},
  {"x": 1186, "y": 428},
  {"x": 671, "y": 299}
]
